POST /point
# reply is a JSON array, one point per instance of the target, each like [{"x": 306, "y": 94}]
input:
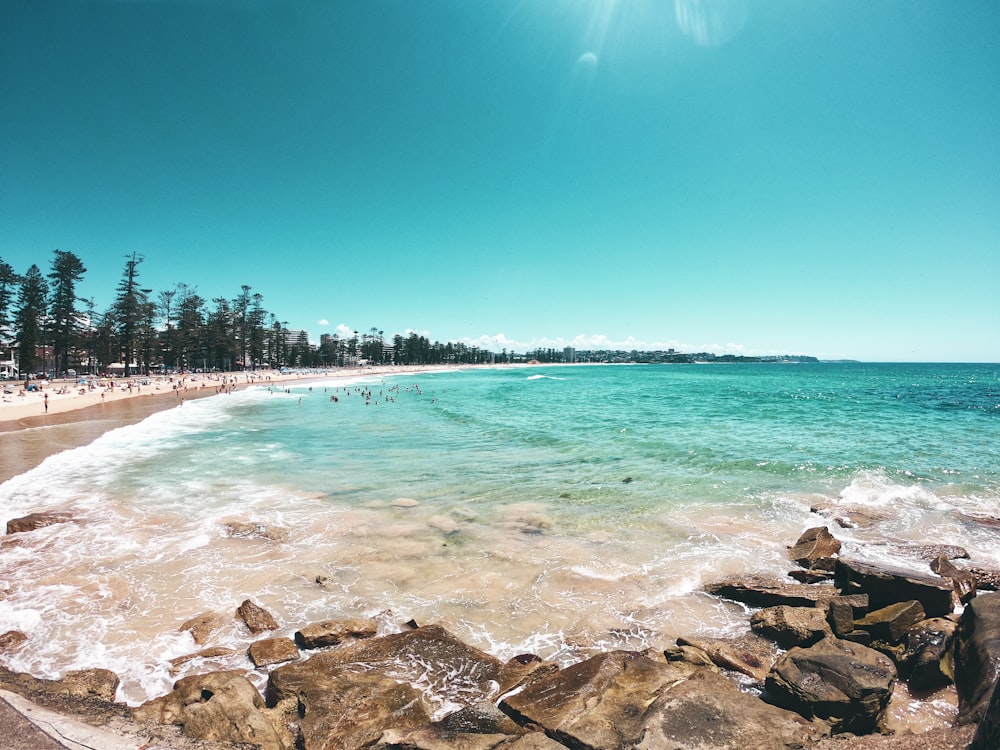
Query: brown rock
[
  {"x": 843, "y": 683},
  {"x": 890, "y": 624},
  {"x": 689, "y": 655},
  {"x": 760, "y": 591},
  {"x": 852, "y": 516},
  {"x": 481, "y": 718},
  {"x": 244, "y": 530},
  {"x": 202, "y": 626},
  {"x": 257, "y": 618},
  {"x": 977, "y": 656},
  {"x": 433, "y": 738},
  {"x": 269, "y": 651},
  {"x": 817, "y": 549},
  {"x": 623, "y": 700},
  {"x": 10, "y": 640},
  {"x": 928, "y": 663},
  {"x": 986, "y": 580},
  {"x": 791, "y": 626},
  {"x": 887, "y": 585},
  {"x": 811, "y": 576},
  {"x": 988, "y": 732},
  {"x": 522, "y": 669},
  {"x": 842, "y": 611},
  {"x": 334, "y": 632},
  {"x": 962, "y": 581},
  {"x": 214, "y": 652},
  {"x": 219, "y": 706},
  {"x": 748, "y": 654},
  {"x": 36, "y": 521}
]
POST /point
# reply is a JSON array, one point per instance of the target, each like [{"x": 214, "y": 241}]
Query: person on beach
[{"x": 46, "y": 399}]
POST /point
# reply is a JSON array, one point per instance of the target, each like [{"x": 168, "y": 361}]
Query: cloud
[{"x": 323, "y": 322}]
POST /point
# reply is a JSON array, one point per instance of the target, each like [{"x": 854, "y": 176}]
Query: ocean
[{"x": 560, "y": 510}]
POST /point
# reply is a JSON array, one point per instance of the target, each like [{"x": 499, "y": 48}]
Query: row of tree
[{"x": 53, "y": 330}]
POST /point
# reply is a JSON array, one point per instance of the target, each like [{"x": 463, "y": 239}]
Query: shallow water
[{"x": 558, "y": 510}]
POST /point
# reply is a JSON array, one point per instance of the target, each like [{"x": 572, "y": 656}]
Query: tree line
[{"x": 53, "y": 330}]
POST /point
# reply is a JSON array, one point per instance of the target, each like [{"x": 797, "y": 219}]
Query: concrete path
[{"x": 26, "y": 726}]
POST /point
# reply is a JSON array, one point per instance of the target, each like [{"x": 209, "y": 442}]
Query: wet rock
[
  {"x": 10, "y": 640},
  {"x": 791, "y": 626},
  {"x": 204, "y": 625},
  {"x": 986, "y": 580},
  {"x": 887, "y": 585},
  {"x": 244, "y": 530},
  {"x": 433, "y": 738},
  {"x": 927, "y": 662},
  {"x": 482, "y": 718},
  {"x": 845, "y": 684},
  {"x": 988, "y": 732},
  {"x": 405, "y": 502},
  {"x": 977, "y": 656},
  {"x": 269, "y": 651},
  {"x": 761, "y": 591},
  {"x": 333, "y": 632},
  {"x": 215, "y": 652},
  {"x": 930, "y": 552},
  {"x": 258, "y": 619},
  {"x": 523, "y": 669},
  {"x": 816, "y": 549},
  {"x": 623, "y": 700},
  {"x": 890, "y": 624},
  {"x": 34, "y": 521},
  {"x": 842, "y": 611},
  {"x": 219, "y": 706},
  {"x": 748, "y": 654},
  {"x": 852, "y": 516},
  {"x": 987, "y": 521},
  {"x": 963, "y": 582},
  {"x": 688, "y": 655},
  {"x": 810, "y": 576}
]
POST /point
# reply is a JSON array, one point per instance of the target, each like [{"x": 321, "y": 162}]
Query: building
[{"x": 569, "y": 354}]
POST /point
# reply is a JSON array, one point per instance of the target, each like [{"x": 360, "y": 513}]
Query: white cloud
[{"x": 323, "y": 322}]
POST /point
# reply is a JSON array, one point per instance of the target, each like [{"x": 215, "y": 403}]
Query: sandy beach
[{"x": 74, "y": 414}]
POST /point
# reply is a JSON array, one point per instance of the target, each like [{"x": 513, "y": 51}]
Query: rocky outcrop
[
  {"x": 624, "y": 700},
  {"x": 760, "y": 591},
  {"x": 890, "y": 624},
  {"x": 270, "y": 651},
  {"x": 887, "y": 585},
  {"x": 927, "y": 662},
  {"x": 220, "y": 706},
  {"x": 988, "y": 732},
  {"x": 256, "y": 618},
  {"x": 34, "y": 521},
  {"x": 433, "y": 738},
  {"x": 977, "y": 656},
  {"x": 845, "y": 684},
  {"x": 10, "y": 640},
  {"x": 749, "y": 654},
  {"x": 816, "y": 549},
  {"x": 334, "y": 632},
  {"x": 963, "y": 582},
  {"x": 791, "y": 626},
  {"x": 202, "y": 626}
]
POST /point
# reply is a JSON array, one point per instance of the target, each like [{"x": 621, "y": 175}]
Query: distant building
[{"x": 569, "y": 354}]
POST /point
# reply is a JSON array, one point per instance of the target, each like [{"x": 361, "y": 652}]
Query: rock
[
  {"x": 749, "y": 654},
  {"x": 988, "y": 732},
  {"x": 433, "y": 738},
  {"x": 963, "y": 582},
  {"x": 927, "y": 662},
  {"x": 34, "y": 521},
  {"x": 481, "y": 718},
  {"x": 886, "y": 585},
  {"x": 258, "y": 619},
  {"x": 986, "y": 580},
  {"x": 269, "y": 651},
  {"x": 202, "y": 626},
  {"x": 522, "y": 669},
  {"x": 405, "y": 502},
  {"x": 810, "y": 576},
  {"x": 10, "y": 640},
  {"x": 341, "y": 710},
  {"x": 445, "y": 668},
  {"x": 243, "y": 530},
  {"x": 760, "y": 591},
  {"x": 988, "y": 522},
  {"x": 689, "y": 655},
  {"x": 842, "y": 611},
  {"x": 816, "y": 549},
  {"x": 977, "y": 656},
  {"x": 930, "y": 552},
  {"x": 843, "y": 683},
  {"x": 890, "y": 624},
  {"x": 333, "y": 632},
  {"x": 624, "y": 700},
  {"x": 83, "y": 683},
  {"x": 852, "y": 516},
  {"x": 215, "y": 652},
  {"x": 791, "y": 626},
  {"x": 219, "y": 706}
]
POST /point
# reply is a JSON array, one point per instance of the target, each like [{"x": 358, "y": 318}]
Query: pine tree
[
  {"x": 67, "y": 270},
  {"x": 8, "y": 281},
  {"x": 128, "y": 308},
  {"x": 29, "y": 319}
]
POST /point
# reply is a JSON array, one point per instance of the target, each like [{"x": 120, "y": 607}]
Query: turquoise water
[{"x": 560, "y": 510}]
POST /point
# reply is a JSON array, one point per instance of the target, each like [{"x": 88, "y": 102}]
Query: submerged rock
[
  {"x": 258, "y": 619},
  {"x": 34, "y": 521},
  {"x": 204, "y": 625},
  {"x": 10, "y": 640}
]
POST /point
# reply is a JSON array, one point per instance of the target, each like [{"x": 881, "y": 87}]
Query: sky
[{"x": 765, "y": 177}]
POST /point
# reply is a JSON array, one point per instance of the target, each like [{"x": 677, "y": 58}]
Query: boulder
[
  {"x": 845, "y": 684},
  {"x": 334, "y": 632},
  {"x": 269, "y": 651},
  {"x": 760, "y": 591},
  {"x": 887, "y": 585},
  {"x": 988, "y": 732},
  {"x": 432, "y": 738},
  {"x": 929, "y": 552},
  {"x": 963, "y": 582},
  {"x": 258, "y": 619},
  {"x": 791, "y": 626},
  {"x": 34, "y": 521},
  {"x": 986, "y": 580},
  {"x": 890, "y": 624},
  {"x": 624, "y": 700},
  {"x": 928, "y": 663},
  {"x": 214, "y": 652},
  {"x": 811, "y": 576},
  {"x": 977, "y": 656},
  {"x": 749, "y": 654},
  {"x": 522, "y": 669},
  {"x": 816, "y": 549},
  {"x": 852, "y": 516},
  {"x": 10, "y": 640},
  {"x": 482, "y": 718},
  {"x": 218, "y": 706},
  {"x": 202, "y": 626},
  {"x": 842, "y": 611}
]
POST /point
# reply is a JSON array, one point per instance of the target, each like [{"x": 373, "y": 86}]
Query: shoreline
[{"x": 29, "y": 434}]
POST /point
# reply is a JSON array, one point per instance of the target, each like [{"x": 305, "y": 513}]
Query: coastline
[{"x": 30, "y": 433}]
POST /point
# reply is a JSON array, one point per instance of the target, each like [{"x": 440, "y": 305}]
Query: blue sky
[{"x": 814, "y": 177}]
